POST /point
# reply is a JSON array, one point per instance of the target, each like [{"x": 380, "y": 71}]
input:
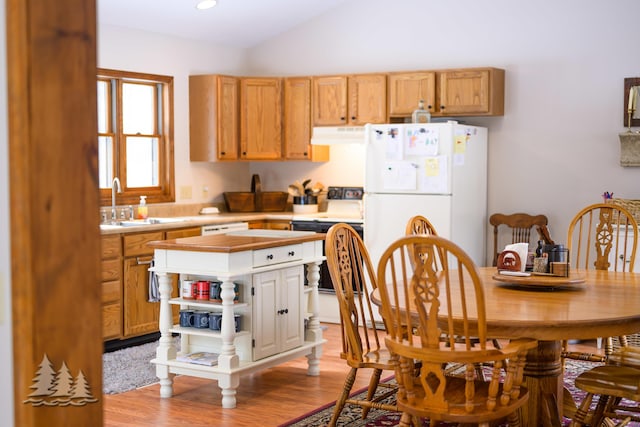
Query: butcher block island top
[
  {"x": 238, "y": 241},
  {"x": 267, "y": 312}
]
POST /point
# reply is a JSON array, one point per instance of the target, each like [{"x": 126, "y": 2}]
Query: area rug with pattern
[{"x": 351, "y": 415}]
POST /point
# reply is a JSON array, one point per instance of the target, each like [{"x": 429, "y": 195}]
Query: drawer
[
  {"x": 111, "y": 247},
  {"x": 184, "y": 232},
  {"x": 136, "y": 244},
  {"x": 111, "y": 269},
  {"x": 111, "y": 323},
  {"x": 277, "y": 255},
  {"x": 111, "y": 291}
]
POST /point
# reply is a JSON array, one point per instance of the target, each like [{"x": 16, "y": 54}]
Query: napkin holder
[{"x": 509, "y": 261}]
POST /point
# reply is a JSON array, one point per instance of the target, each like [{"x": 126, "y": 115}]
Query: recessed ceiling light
[{"x": 206, "y": 4}]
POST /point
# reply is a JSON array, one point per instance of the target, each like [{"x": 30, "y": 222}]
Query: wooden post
[{"x": 55, "y": 237}]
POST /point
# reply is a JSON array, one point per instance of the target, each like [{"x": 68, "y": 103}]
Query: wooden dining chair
[
  {"x": 520, "y": 224},
  {"x": 418, "y": 225},
  {"x": 602, "y": 236},
  {"x": 612, "y": 384},
  {"x": 354, "y": 279},
  {"x": 450, "y": 302}
]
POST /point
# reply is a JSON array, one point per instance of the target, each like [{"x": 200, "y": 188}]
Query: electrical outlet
[
  {"x": 205, "y": 192},
  {"x": 185, "y": 192}
]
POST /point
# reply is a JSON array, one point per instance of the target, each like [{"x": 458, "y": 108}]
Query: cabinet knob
[
  {"x": 353, "y": 117},
  {"x": 429, "y": 107},
  {"x": 305, "y": 154},
  {"x": 292, "y": 253},
  {"x": 269, "y": 257},
  {"x": 342, "y": 119},
  {"x": 223, "y": 153},
  {"x": 442, "y": 107}
]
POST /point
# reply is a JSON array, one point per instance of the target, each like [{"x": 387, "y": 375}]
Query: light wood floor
[{"x": 267, "y": 398}]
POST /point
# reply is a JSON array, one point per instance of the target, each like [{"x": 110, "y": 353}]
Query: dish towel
[{"x": 154, "y": 286}]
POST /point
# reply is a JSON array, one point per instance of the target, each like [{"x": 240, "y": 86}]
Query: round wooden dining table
[{"x": 590, "y": 304}]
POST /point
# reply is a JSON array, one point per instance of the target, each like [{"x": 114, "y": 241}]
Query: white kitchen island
[{"x": 278, "y": 311}]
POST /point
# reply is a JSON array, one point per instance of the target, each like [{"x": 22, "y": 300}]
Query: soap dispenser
[{"x": 142, "y": 208}]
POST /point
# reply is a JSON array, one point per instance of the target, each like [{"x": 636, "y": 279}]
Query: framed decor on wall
[{"x": 631, "y": 82}]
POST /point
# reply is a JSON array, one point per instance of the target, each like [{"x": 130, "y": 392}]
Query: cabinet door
[
  {"x": 472, "y": 92},
  {"x": 213, "y": 118},
  {"x": 297, "y": 118},
  {"x": 405, "y": 90},
  {"x": 227, "y": 118},
  {"x": 330, "y": 101},
  {"x": 261, "y": 119},
  {"x": 367, "y": 99},
  {"x": 140, "y": 316},
  {"x": 278, "y": 313},
  {"x": 265, "y": 319},
  {"x": 291, "y": 327}
]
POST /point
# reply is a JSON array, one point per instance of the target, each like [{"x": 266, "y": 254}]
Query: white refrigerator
[{"x": 438, "y": 170}]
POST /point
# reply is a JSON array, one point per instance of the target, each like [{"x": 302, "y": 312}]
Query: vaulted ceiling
[{"x": 233, "y": 23}]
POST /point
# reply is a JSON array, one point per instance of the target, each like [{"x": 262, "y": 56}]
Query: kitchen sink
[
  {"x": 139, "y": 222},
  {"x": 270, "y": 233},
  {"x": 134, "y": 222}
]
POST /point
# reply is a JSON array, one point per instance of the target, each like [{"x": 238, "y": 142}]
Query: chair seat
[
  {"x": 456, "y": 412},
  {"x": 618, "y": 381},
  {"x": 380, "y": 359}
]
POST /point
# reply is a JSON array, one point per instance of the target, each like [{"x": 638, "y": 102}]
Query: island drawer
[{"x": 277, "y": 255}]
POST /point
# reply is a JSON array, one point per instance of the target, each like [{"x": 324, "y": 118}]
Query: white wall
[
  {"x": 130, "y": 50},
  {"x": 556, "y": 149},
  {"x": 6, "y": 349}
]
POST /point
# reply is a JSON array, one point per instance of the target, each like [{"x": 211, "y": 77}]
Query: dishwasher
[{"x": 208, "y": 230}]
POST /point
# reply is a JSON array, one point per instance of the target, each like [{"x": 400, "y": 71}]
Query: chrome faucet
[{"x": 115, "y": 186}]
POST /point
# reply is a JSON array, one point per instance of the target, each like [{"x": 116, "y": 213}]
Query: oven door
[{"x": 325, "y": 285}]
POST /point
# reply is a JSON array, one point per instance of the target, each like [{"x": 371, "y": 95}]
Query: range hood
[{"x": 337, "y": 135}]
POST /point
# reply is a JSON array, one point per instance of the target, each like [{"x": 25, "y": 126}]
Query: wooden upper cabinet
[
  {"x": 297, "y": 122},
  {"x": 405, "y": 90},
  {"x": 349, "y": 100},
  {"x": 367, "y": 99},
  {"x": 213, "y": 118},
  {"x": 471, "y": 92},
  {"x": 261, "y": 118},
  {"x": 330, "y": 101}
]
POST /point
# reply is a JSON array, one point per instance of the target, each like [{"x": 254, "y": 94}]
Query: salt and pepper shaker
[{"x": 539, "y": 249}]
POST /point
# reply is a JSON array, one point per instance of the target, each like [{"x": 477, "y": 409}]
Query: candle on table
[{"x": 632, "y": 99}]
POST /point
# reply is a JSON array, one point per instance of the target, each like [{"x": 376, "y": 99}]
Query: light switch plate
[{"x": 185, "y": 192}]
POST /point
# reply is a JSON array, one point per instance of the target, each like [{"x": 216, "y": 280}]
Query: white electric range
[{"x": 344, "y": 204}]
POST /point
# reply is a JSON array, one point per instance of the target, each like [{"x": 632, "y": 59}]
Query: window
[{"x": 135, "y": 136}]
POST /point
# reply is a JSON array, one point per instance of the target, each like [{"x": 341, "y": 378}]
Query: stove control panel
[{"x": 345, "y": 193}]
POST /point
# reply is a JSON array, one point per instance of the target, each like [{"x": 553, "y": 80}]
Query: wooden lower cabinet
[
  {"x": 111, "y": 287},
  {"x": 133, "y": 315}
]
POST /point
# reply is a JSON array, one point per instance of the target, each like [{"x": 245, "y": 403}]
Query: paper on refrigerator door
[
  {"x": 400, "y": 175},
  {"x": 393, "y": 144},
  {"x": 422, "y": 141},
  {"x": 435, "y": 178}
]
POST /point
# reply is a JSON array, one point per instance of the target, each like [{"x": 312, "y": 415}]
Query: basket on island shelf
[{"x": 632, "y": 205}]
